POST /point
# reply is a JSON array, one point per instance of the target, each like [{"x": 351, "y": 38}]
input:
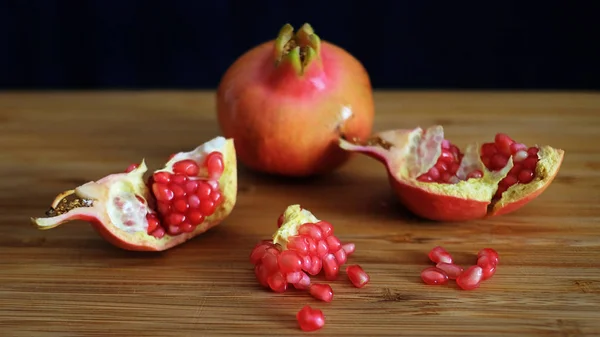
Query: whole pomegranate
[
  {"x": 192, "y": 193},
  {"x": 286, "y": 102},
  {"x": 434, "y": 179}
]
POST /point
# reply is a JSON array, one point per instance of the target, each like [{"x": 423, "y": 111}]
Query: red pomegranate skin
[{"x": 285, "y": 123}]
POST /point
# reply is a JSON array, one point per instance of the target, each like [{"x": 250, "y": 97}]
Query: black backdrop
[{"x": 403, "y": 44}]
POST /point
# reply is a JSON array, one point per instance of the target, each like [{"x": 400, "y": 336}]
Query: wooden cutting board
[{"x": 69, "y": 282}]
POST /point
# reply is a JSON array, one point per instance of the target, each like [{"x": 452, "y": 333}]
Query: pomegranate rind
[
  {"x": 517, "y": 196},
  {"x": 294, "y": 216},
  {"x": 408, "y": 153},
  {"x": 99, "y": 216}
]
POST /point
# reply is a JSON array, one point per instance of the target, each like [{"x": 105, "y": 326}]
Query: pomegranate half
[
  {"x": 192, "y": 193},
  {"x": 286, "y": 102},
  {"x": 436, "y": 181}
]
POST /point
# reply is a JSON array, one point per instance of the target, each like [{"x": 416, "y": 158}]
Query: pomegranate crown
[{"x": 298, "y": 50}]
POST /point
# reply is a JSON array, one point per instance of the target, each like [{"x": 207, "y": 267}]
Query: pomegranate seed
[
  {"x": 340, "y": 256},
  {"x": 451, "y": 269},
  {"x": 445, "y": 144},
  {"x": 330, "y": 267},
  {"x": 289, "y": 261},
  {"x": 162, "y": 192},
  {"x": 195, "y": 217},
  {"x": 174, "y": 219},
  {"x": 216, "y": 197},
  {"x": 491, "y": 253},
  {"x": 487, "y": 265},
  {"x": 503, "y": 143},
  {"x": 533, "y": 151},
  {"x": 315, "y": 266},
  {"x": 152, "y": 222},
  {"x": 446, "y": 156},
  {"x": 304, "y": 282},
  {"x": 326, "y": 228},
  {"x": 262, "y": 274},
  {"x": 190, "y": 186},
  {"x": 516, "y": 147},
  {"x": 509, "y": 180},
  {"x": 180, "y": 205},
  {"x": 310, "y": 319},
  {"x": 311, "y": 245},
  {"x": 277, "y": 282},
  {"x": 298, "y": 244},
  {"x": 454, "y": 168},
  {"x": 294, "y": 277},
  {"x": 311, "y": 230},
  {"x": 204, "y": 190},
  {"x": 434, "y": 276},
  {"x": 441, "y": 166},
  {"x": 259, "y": 251},
  {"x": 131, "y": 168},
  {"x": 525, "y": 176},
  {"x": 162, "y": 177},
  {"x": 498, "y": 161},
  {"x": 520, "y": 156},
  {"x": 193, "y": 201},
  {"x": 425, "y": 178},
  {"x": 475, "y": 174},
  {"x": 439, "y": 254},
  {"x": 322, "y": 248},
  {"x": 179, "y": 179},
  {"x": 349, "y": 248},
  {"x": 470, "y": 278},
  {"x": 501, "y": 189},
  {"x": 357, "y": 276},
  {"x": 178, "y": 191},
  {"x": 214, "y": 165},
  {"x": 434, "y": 173},
  {"x": 333, "y": 243},
  {"x": 321, "y": 291},
  {"x": 269, "y": 261},
  {"x": 514, "y": 171},
  {"x": 158, "y": 233},
  {"x": 174, "y": 230},
  {"x": 306, "y": 262},
  {"x": 207, "y": 207},
  {"x": 530, "y": 163},
  {"x": 187, "y": 227},
  {"x": 163, "y": 207},
  {"x": 187, "y": 167}
]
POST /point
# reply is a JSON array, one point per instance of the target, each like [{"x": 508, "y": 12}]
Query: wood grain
[{"x": 69, "y": 282}]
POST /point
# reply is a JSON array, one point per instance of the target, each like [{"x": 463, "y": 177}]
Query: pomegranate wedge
[
  {"x": 192, "y": 193},
  {"x": 436, "y": 181}
]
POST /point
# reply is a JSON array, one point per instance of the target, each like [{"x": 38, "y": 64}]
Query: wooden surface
[{"x": 69, "y": 282}]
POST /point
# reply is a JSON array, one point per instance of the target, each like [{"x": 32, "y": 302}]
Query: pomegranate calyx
[
  {"x": 294, "y": 216},
  {"x": 299, "y": 51}
]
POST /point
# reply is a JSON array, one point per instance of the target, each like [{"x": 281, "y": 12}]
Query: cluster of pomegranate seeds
[
  {"x": 495, "y": 156},
  {"x": 185, "y": 197},
  {"x": 313, "y": 251},
  {"x": 445, "y": 269},
  {"x": 444, "y": 170}
]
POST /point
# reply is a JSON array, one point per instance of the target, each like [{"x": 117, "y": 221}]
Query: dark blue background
[{"x": 403, "y": 44}]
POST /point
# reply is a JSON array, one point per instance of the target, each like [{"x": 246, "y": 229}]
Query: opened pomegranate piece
[
  {"x": 286, "y": 101},
  {"x": 192, "y": 193},
  {"x": 435, "y": 180}
]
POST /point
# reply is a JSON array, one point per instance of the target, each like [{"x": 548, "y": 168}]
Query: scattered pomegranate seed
[
  {"x": 310, "y": 319},
  {"x": 470, "y": 278},
  {"x": 357, "y": 276},
  {"x": 490, "y": 252},
  {"x": 451, "y": 269},
  {"x": 434, "y": 276},
  {"x": 439, "y": 254},
  {"x": 349, "y": 248},
  {"x": 321, "y": 291}
]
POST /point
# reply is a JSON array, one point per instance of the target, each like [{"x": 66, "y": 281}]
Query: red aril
[
  {"x": 439, "y": 254},
  {"x": 436, "y": 181},
  {"x": 489, "y": 252},
  {"x": 452, "y": 270},
  {"x": 470, "y": 278},
  {"x": 357, "y": 276},
  {"x": 321, "y": 291},
  {"x": 487, "y": 266},
  {"x": 349, "y": 248},
  {"x": 434, "y": 276},
  {"x": 310, "y": 319},
  {"x": 296, "y": 87},
  {"x": 167, "y": 209}
]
